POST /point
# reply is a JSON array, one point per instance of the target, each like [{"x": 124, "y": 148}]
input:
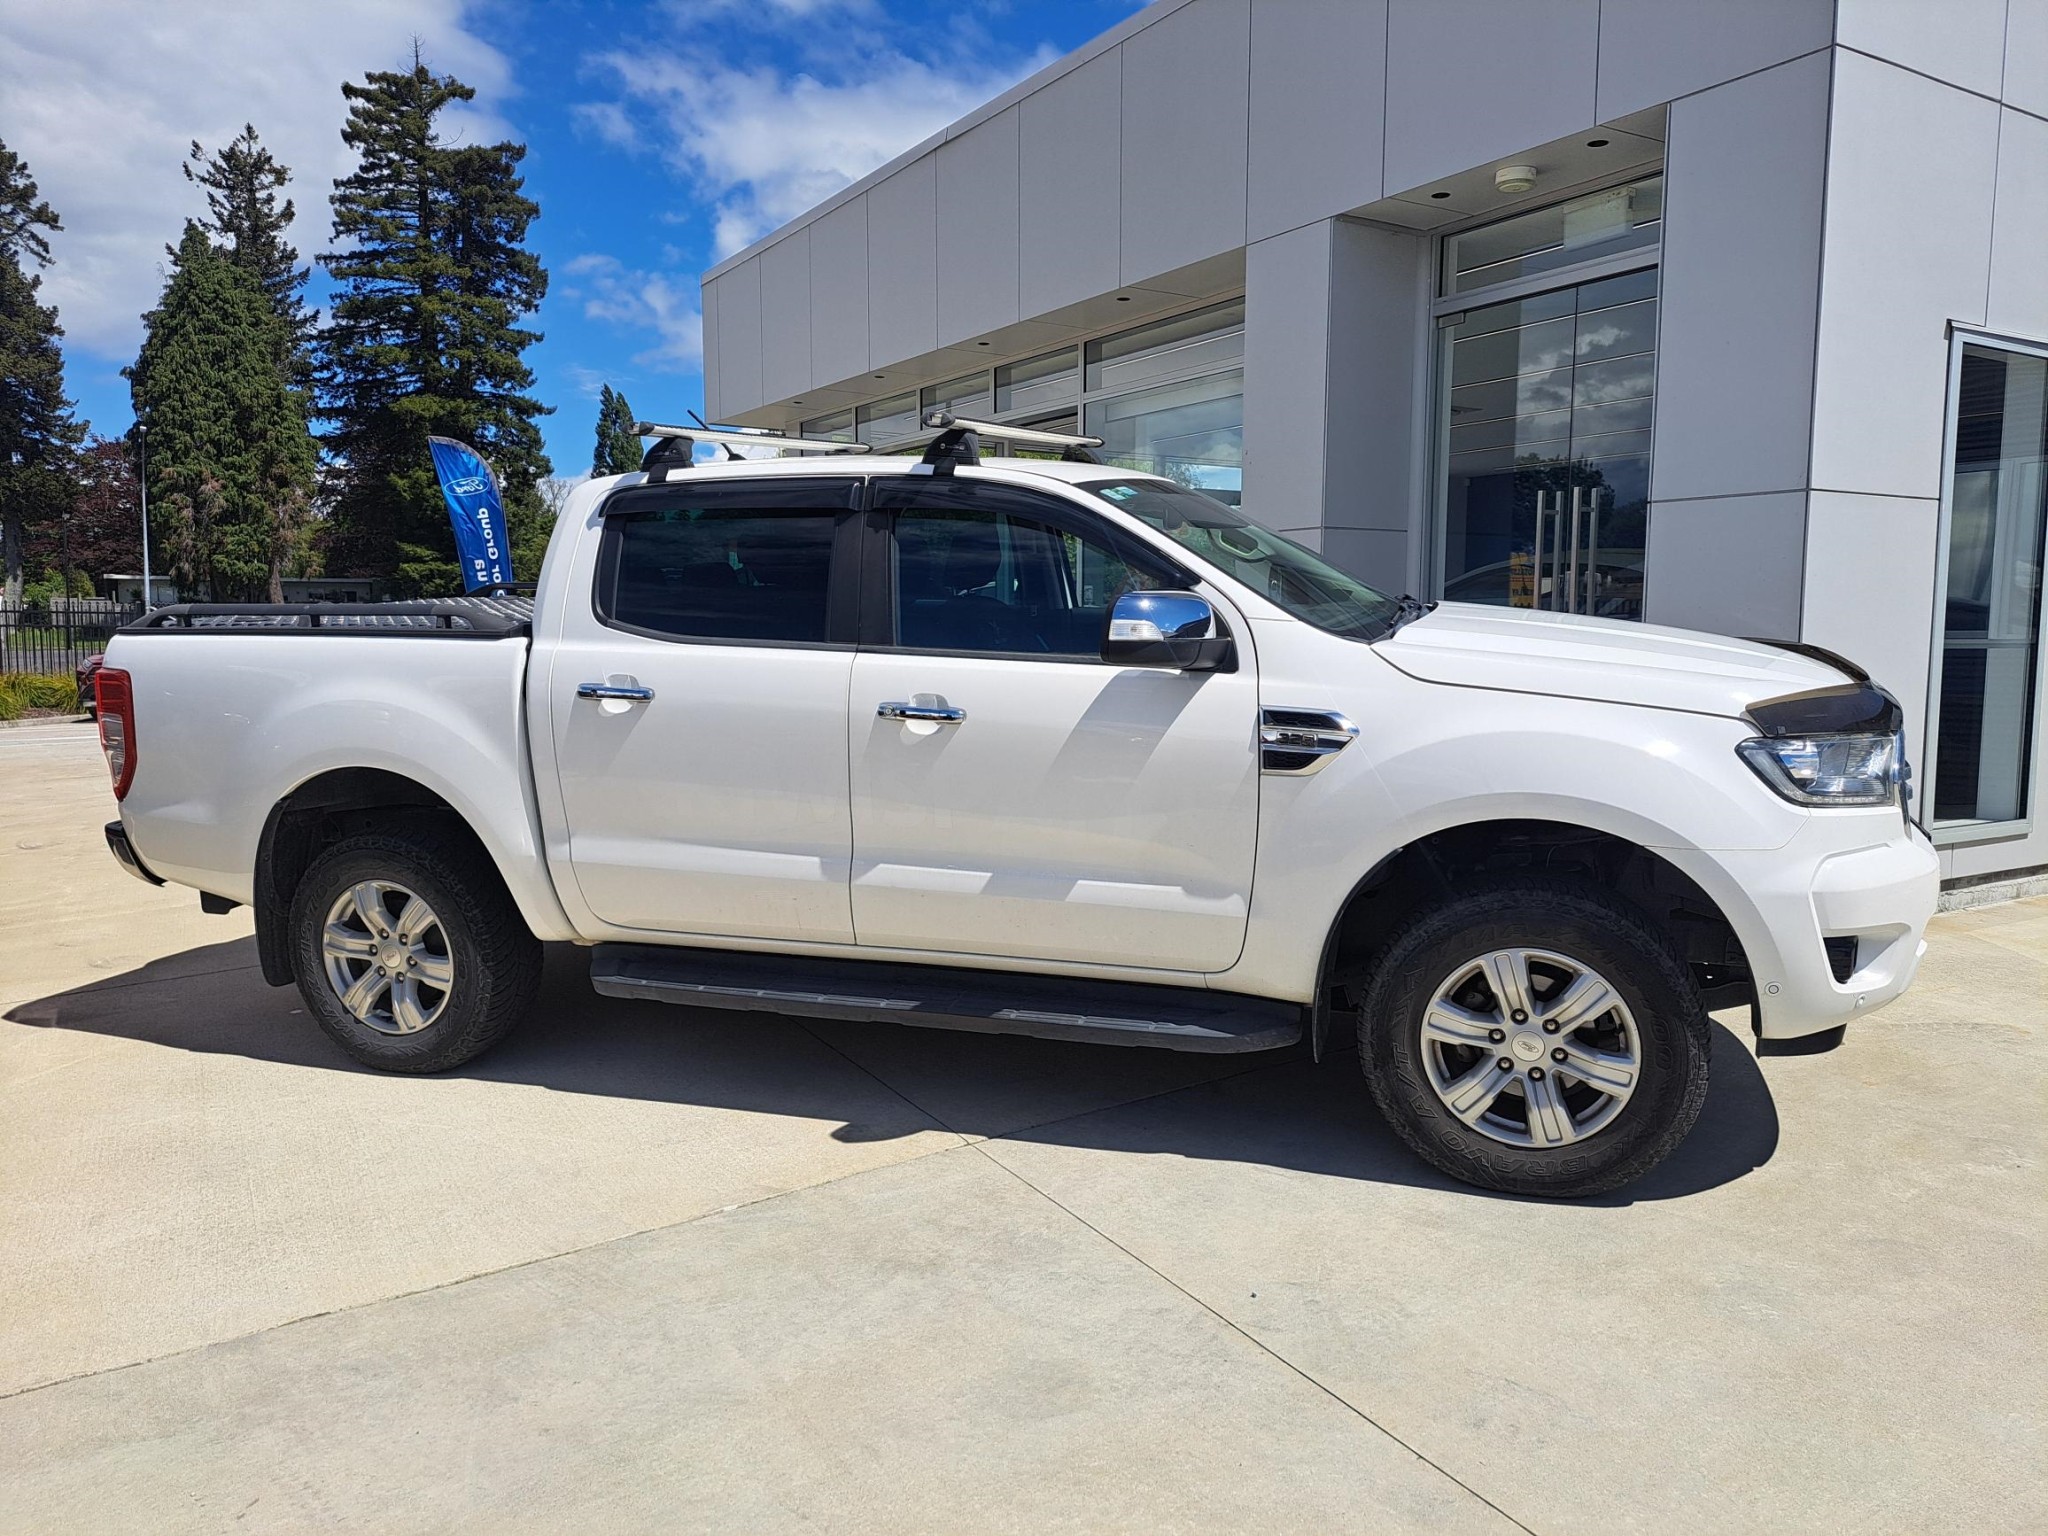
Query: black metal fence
[{"x": 56, "y": 635}]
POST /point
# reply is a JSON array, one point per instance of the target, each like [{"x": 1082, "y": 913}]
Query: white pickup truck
[{"x": 1049, "y": 748}]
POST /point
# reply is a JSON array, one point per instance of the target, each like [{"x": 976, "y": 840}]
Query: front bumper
[
  {"x": 125, "y": 855},
  {"x": 1845, "y": 875}
]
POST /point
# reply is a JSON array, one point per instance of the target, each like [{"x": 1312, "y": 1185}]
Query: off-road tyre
[
  {"x": 1576, "y": 919},
  {"x": 497, "y": 960}
]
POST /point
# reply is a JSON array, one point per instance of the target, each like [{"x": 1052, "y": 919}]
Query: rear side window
[{"x": 738, "y": 560}]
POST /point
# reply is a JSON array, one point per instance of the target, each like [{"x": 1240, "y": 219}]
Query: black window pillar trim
[{"x": 877, "y": 623}]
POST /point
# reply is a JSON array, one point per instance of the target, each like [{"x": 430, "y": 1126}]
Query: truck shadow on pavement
[{"x": 880, "y": 1081}]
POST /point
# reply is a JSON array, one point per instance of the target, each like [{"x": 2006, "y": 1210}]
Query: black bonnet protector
[
  {"x": 1821, "y": 654},
  {"x": 1854, "y": 709},
  {"x": 1858, "y": 708}
]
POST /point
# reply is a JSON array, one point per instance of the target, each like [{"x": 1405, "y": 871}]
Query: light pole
[{"x": 142, "y": 444}]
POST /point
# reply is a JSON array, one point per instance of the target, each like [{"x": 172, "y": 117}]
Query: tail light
[{"x": 116, "y": 702}]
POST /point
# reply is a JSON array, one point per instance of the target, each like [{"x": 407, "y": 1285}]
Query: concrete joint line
[
  {"x": 983, "y": 1146},
  {"x": 1252, "y": 1339},
  {"x": 963, "y": 1142},
  {"x": 460, "y": 1280}
]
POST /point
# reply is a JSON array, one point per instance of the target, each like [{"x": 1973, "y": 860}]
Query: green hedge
[{"x": 21, "y": 692}]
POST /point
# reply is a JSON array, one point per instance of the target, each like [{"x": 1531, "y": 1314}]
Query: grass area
[{"x": 36, "y": 693}]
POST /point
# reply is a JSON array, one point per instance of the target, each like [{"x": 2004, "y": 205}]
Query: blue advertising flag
[{"x": 471, "y": 492}]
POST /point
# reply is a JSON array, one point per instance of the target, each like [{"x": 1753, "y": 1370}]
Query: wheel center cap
[
  {"x": 1529, "y": 1047},
  {"x": 390, "y": 956}
]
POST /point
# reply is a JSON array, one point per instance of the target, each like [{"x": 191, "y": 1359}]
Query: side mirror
[{"x": 1167, "y": 629}]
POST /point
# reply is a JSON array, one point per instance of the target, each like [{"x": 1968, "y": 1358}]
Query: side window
[
  {"x": 723, "y": 560},
  {"x": 986, "y": 568}
]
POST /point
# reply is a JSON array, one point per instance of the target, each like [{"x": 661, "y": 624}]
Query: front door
[
  {"x": 1038, "y": 803},
  {"x": 698, "y": 709}
]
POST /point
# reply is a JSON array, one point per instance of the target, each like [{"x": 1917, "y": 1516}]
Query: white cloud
[
  {"x": 587, "y": 382},
  {"x": 659, "y": 308},
  {"x": 103, "y": 99},
  {"x": 765, "y": 145}
]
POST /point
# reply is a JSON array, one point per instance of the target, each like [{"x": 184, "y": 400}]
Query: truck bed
[{"x": 237, "y": 706}]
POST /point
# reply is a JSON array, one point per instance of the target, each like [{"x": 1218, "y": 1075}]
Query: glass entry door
[
  {"x": 1989, "y": 661},
  {"x": 1547, "y": 473}
]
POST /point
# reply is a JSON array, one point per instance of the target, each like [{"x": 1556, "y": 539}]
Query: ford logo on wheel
[{"x": 469, "y": 485}]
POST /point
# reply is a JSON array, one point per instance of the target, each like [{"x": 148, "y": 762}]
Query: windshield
[{"x": 1278, "y": 569}]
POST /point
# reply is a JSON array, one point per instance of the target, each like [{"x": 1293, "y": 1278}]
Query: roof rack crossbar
[
  {"x": 959, "y": 442},
  {"x": 675, "y": 448}
]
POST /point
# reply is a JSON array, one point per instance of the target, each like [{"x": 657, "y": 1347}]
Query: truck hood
[{"x": 1473, "y": 646}]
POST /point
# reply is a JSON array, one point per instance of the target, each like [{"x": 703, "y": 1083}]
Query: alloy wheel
[
  {"x": 1531, "y": 1047},
  {"x": 386, "y": 956}
]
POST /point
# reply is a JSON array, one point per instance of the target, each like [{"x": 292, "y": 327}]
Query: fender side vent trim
[{"x": 1297, "y": 742}]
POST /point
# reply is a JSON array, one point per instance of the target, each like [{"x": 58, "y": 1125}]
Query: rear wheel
[
  {"x": 409, "y": 951},
  {"x": 1536, "y": 1037}
]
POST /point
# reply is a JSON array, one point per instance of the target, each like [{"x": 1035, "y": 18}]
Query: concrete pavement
[{"x": 648, "y": 1268}]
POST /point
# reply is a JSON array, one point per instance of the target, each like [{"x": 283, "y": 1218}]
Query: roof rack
[
  {"x": 959, "y": 442},
  {"x": 675, "y": 448}
]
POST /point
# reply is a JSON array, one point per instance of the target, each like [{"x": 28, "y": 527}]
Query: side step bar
[{"x": 939, "y": 997}]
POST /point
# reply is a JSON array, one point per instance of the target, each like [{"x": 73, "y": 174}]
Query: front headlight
[{"x": 1828, "y": 770}]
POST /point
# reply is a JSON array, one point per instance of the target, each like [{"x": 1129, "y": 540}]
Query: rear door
[
  {"x": 1058, "y": 808},
  {"x": 698, "y": 708}
]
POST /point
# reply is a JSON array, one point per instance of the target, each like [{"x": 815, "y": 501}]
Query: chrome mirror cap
[{"x": 1167, "y": 629}]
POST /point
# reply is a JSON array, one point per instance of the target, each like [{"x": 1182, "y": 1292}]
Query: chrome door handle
[
  {"x": 938, "y": 714},
  {"x": 612, "y": 691}
]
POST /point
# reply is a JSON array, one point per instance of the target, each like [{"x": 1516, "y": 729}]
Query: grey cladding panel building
[{"x": 1731, "y": 316}]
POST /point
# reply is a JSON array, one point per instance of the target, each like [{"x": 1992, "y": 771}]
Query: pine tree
[
  {"x": 24, "y": 216},
  {"x": 619, "y": 450},
  {"x": 242, "y": 182},
  {"x": 37, "y": 432},
  {"x": 230, "y": 460},
  {"x": 430, "y": 281}
]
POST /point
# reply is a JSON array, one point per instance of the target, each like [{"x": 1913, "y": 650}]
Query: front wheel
[
  {"x": 1536, "y": 1037},
  {"x": 409, "y": 950}
]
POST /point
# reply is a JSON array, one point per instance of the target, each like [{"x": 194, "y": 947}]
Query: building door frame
[
  {"x": 1948, "y": 834},
  {"x": 1446, "y": 308}
]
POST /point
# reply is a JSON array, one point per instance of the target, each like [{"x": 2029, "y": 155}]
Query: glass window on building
[
  {"x": 1602, "y": 224},
  {"x": 884, "y": 422},
  {"x": 1191, "y": 343},
  {"x": 1990, "y": 654},
  {"x": 1166, "y": 397},
  {"x": 1191, "y": 432},
  {"x": 835, "y": 428},
  {"x": 1546, "y": 398},
  {"x": 968, "y": 396},
  {"x": 1040, "y": 383}
]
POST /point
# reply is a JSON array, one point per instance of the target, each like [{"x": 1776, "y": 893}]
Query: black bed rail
[{"x": 469, "y": 618}]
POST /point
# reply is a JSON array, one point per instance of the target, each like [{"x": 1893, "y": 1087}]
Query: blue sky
[{"x": 661, "y": 134}]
